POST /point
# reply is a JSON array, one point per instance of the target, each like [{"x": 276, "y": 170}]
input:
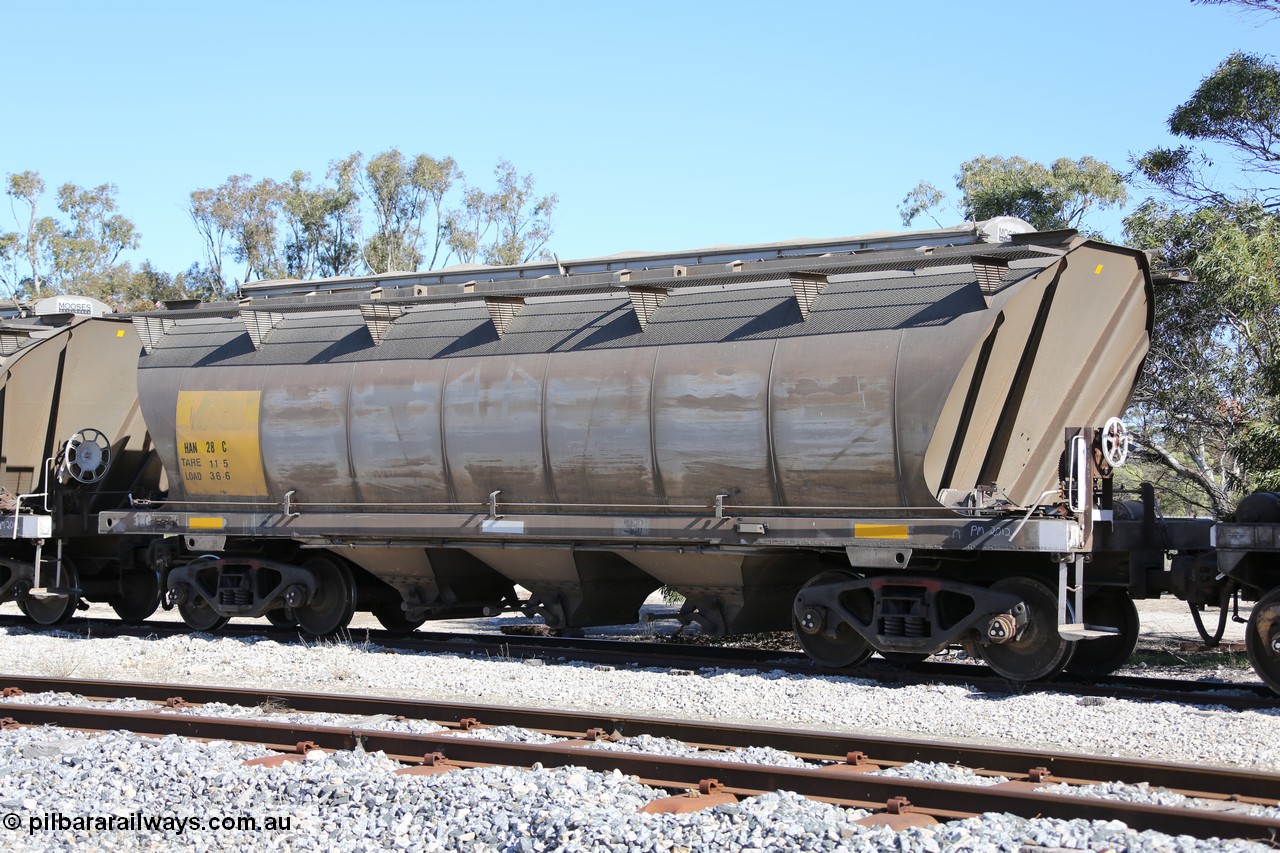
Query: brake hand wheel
[
  {"x": 87, "y": 456},
  {"x": 1115, "y": 442}
]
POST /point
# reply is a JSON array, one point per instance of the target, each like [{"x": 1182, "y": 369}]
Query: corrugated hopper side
[{"x": 827, "y": 383}]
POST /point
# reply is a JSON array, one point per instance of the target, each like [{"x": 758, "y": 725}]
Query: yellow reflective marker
[
  {"x": 880, "y": 531},
  {"x": 206, "y": 523},
  {"x": 119, "y": 333},
  {"x": 1098, "y": 271}
]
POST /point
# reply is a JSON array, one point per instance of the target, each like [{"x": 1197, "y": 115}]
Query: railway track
[
  {"x": 836, "y": 768},
  {"x": 620, "y": 653}
]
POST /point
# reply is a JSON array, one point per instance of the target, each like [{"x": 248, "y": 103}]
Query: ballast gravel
[
  {"x": 1158, "y": 730},
  {"x": 353, "y": 800},
  {"x": 119, "y": 791}
]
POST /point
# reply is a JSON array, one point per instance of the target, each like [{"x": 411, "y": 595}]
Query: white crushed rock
[
  {"x": 66, "y": 790},
  {"x": 1210, "y": 734},
  {"x": 1142, "y": 792},
  {"x": 350, "y": 800},
  {"x": 510, "y": 734},
  {"x": 939, "y": 773}
]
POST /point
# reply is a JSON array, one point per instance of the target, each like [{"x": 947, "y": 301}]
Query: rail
[{"x": 821, "y": 778}]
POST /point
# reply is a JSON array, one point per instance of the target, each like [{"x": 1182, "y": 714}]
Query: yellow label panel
[
  {"x": 206, "y": 522},
  {"x": 219, "y": 452},
  {"x": 879, "y": 531}
]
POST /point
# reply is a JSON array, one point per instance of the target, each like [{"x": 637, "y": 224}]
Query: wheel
[
  {"x": 1037, "y": 651},
  {"x": 1112, "y": 608},
  {"x": 847, "y": 647},
  {"x": 392, "y": 617},
  {"x": 282, "y": 617},
  {"x": 56, "y": 609},
  {"x": 335, "y": 600},
  {"x": 907, "y": 659},
  {"x": 199, "y": 616},
  {"x": 1262, "y": 639},
  {"x": 139, "y": 596}
]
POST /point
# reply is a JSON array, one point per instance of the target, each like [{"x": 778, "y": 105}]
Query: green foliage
[
  {"x": 240, "y": 219},
  {"x": 78, "y": 252},
  {"x": 521, "y": 219},
  {"x": 510, "y": 225},
  {"x": 25, "y": 188},
  {"x": 404, "y": 194},
  {"x": 1211, "y": 384},
  {"x": 391, "y": 253},
  {"x": 1260, "y": 452},
  {"x": 465, "y": 226},
  {"x": 1049, "y": 197},
  {"x": 322, "y": 223},
  {"x": 1238, "y": 104},
  {"x": 96, "y": 234},
  {"x": 923, "y": 198},
  {"x": 1057, "y": 196},
  {"x": 301, "y": 229},
  {"x": 1209, "y": 400},
  {"x": 11, "y": 252},
  {"x": 1236, "y": 107},
  {"x": 211, "y": 213},
  {"x": 296, "y": 229},
  {"x": 145, "y": 288},
  {"x": 252, "y": 226}
]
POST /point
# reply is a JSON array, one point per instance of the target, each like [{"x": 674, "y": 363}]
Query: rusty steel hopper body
[
  {"x": 72, "y": 444},
  {"x": 646, "y": 420}
]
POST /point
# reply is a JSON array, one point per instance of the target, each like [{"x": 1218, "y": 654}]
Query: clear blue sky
[{"x": 661, "y": 126}]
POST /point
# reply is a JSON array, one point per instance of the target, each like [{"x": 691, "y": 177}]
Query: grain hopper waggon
[
  {"x": 72, "y": 444},
  {"x": 893, "y": 446}
]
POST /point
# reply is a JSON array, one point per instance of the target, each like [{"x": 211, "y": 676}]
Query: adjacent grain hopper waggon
[
  {"x": 72, "y": 443},
  {"x": 895, "y": 443},
  {"x": 1248, "y": 565}
]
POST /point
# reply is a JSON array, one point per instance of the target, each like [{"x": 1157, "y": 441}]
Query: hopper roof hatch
[
  {"x": 645, "y": 301},
  {"x": 259, "y": 324},
  {"x": 378, "y": 317},
  {"x": 502, "y": 310},
  {"x": 151, "y": 329},
  {"x": 807, "y": 287}
]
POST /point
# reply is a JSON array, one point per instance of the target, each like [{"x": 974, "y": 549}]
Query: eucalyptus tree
[
  {"x": 24, "y": 190},
  {"x": 1059, "y": 195},
  {"x": 79, "y": 250},
  {"x": 322, "y": 224},
  {"x": 240, "y": 218},
  {"x": 510, "y": 225},
  {"x": 88, "y": 246},
  {"x": 521, "y": 218},
  {"x": 419, "y": 212},
  {"x": 1210, "y": 396},
  {"x": 408, "y": 216}
]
